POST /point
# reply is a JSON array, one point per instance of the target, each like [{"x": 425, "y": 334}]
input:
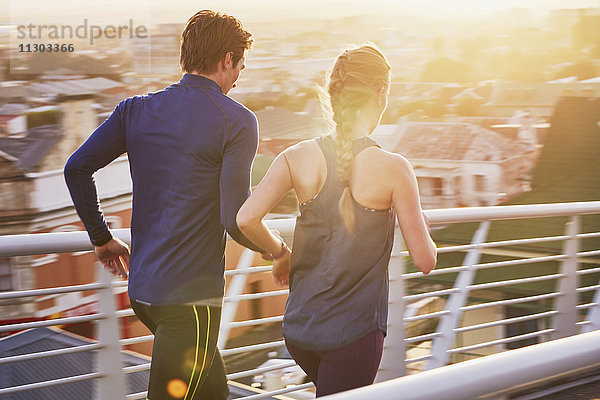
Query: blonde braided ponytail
[{"x": 355, "y": 78}]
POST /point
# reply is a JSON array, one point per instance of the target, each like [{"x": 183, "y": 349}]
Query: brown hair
[
  {"x": 207, "y": 37},
  {"x": 355, "y": 78}
]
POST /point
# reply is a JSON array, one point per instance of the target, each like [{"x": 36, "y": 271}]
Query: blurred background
[{"x": 492, "y": 101}]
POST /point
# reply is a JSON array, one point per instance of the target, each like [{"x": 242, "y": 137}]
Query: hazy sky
[{"x": 179, "y": 10}]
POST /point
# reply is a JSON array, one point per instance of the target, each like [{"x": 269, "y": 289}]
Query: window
[
  {"x": 479, "y": 182},
  {"x": 438, "y": 186},
  {"x": 430, "y": 186},
  {"x": 6, "y": 281}
]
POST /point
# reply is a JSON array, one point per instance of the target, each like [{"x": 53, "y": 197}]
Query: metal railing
[
  {"x": 465, "y": 320},
  {"x": 491, "y": 377}
]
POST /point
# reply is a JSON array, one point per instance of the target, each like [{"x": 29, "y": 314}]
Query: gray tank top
[{"x": 338, "y": 280}]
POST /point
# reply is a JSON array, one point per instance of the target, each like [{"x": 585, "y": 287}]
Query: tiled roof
[
  {"x": 280, "y": 123},
  {"x": 31, "y": 371},
  {"x": 17, "y": 92},
  {"x": 454, "y": 141}
]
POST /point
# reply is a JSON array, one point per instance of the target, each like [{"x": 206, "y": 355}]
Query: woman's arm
[
  {"x": 276, "y": 183},
  {"x": 415, "y": 230}
]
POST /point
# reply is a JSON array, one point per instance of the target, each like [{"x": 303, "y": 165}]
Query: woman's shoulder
[
  {"x": 302, "y": 149},
  {"x": 381, "y": 158}
]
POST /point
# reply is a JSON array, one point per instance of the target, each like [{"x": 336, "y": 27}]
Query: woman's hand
[{"x": 281, "y": 268}]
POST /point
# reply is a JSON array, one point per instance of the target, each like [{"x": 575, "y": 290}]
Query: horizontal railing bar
[
  {"x": 136, "y": 368},
  {"x": 452, "y": 249},
  {"x": 51, "y": 322},
  {"x": 64, "y": 242},
  {"x": 422, "y": 338},
  {"x": 136, "y": 340},
  {"x": 581, "y": 323},
  {"x": 251, "y": 270},
  {"x": 587, "y": 235},
  {"x": 136, "y": 396},
  {"x": 254, "y": 296},
  {"x": 497, "y": 264},
  {"x": 53, "y": 382},
  {"x": 278, "y": 392},
  {"x": 501, "y": 341},
  {"x": 519, "y": 261},
  {"x": 117, "y": 283},
  {"x": 51, "y": 353},
  {"x": 128, "y": 312},
  {"x": 419, "y": 296},
  {"x": 510, "y": 301},
  {"x": 501, "y": 243},
  {"x": 588, "y": 253},
  {"x": 586, "y": 306},
  {"x": 48, "y": 243},
  {"x": 514, "y": 242},
  {"x": 514, "y": 281},
  {"x": 417, "y": 359},
  {"x": 49, "y": 291},
  {"x": 253, "y": 347},
  {"x": 492, "y": 376},
  {"x": 258, "y": 321},
  {"x": 505, "y": 321},
  {"x": 427, "y": 316},
  {"x": 587, "y": 289},
  {"x": 441, "y": 271},
  {"x": 473, "y": 214},
  {"x": 255, "y": 371},
  {"x": 588, "y": 271}
]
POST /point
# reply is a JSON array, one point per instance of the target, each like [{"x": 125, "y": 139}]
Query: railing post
[
  {"x": 236, "y": 287},
  {"x": 441, "y": 344},
  {"x": 593, "y": 314},
  {"x": 112, "y": 385},
  {"x": 394, "y": 350},
  {"x": 565, "y": 322}
]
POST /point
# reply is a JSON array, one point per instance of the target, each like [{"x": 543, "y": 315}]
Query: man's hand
[{"x": 114, "y": 256}]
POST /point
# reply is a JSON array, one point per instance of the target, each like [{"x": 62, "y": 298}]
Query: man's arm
[
  {"x": 234, "y": 186},
  {"x": 103, "y": 146}
]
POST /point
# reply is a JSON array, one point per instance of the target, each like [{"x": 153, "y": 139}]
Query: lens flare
[{"x": 176, "y": 388}]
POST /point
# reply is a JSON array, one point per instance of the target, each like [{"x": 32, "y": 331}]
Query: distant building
[
  {"x": 459, "y": 164},
  {"x": 280, "y": 128},
  {"x": 34, "y": 199},
  {"x": 567, "y": 171},
  {"x": 523, "y": 126},
  {"x": 507, "y": 97},
  {"x": 61, "y": 366}
]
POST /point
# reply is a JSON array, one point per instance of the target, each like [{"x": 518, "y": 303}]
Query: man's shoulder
[
  {"x": 132, "y": 101},
  {"x": 236, "y": 108}
]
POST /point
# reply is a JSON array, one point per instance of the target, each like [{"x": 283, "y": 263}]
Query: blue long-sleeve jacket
[{"x": 190, "y": 150}]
